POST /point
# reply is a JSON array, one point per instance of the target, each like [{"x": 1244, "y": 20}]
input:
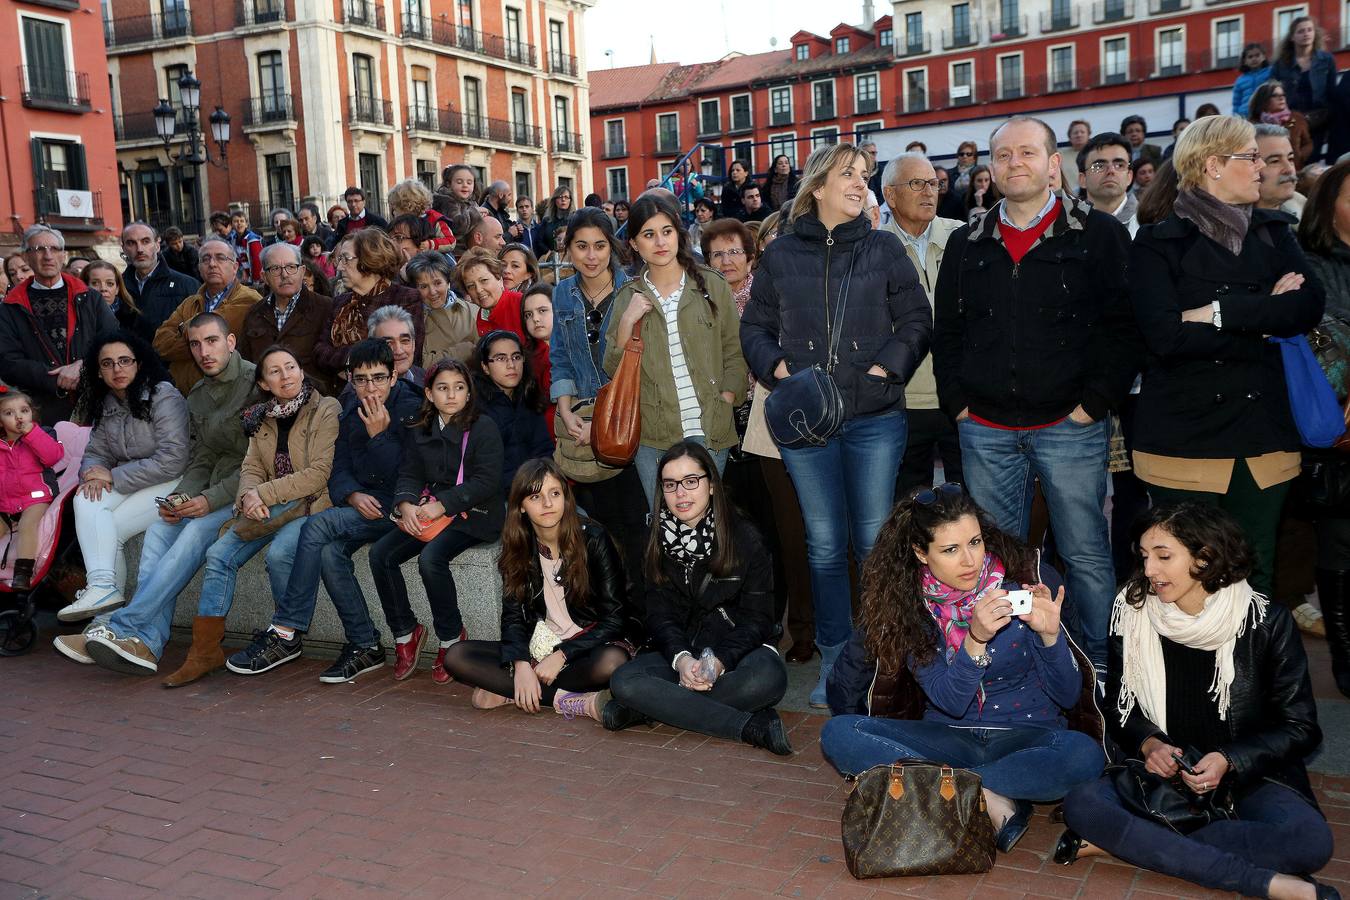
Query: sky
[{"x": 695, "y": 31}]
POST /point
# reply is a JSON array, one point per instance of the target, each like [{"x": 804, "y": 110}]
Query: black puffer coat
[{"x": 887, "y": 319}]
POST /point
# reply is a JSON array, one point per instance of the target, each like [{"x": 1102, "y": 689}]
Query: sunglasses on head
[{"x": 930, "y": 496}]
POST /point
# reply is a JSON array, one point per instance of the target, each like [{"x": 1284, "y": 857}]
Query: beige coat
[
  {"x": 921, "y": 391},
  {"x": 171, "y": 337},
  {"x": 311, "y": 443},
  {"x": 451, "y": 331}
]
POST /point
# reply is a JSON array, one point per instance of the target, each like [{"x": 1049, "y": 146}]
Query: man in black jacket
[
  {"x": 1034, "y": 344},
  {"x": 157, "y": 289}
]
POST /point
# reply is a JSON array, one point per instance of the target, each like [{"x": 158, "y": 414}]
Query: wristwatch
[
  {"x": 983, "y": 660},
  {"x": 1218, "y": 317}
]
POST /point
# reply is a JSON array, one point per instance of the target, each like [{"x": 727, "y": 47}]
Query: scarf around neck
[
  {"x": 1223, "y": 223},
  {"x": 1277, "y": 118},
  {"x": 952, "y": 608},
  {"x": 1217, "y": 628},
  {"x": 349, "y": 319},
  {"x": 684, "y": 544},
  {"x": 255, "y": 415}
]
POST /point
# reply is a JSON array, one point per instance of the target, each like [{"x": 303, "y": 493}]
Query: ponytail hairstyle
[
  {"x": 654, "y": 204},
  {"x": 519, "y": 560},
  {"x": 898, "y": 626}
]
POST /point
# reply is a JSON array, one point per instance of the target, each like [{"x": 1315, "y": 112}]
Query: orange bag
[{"x": 616, "y": 424}]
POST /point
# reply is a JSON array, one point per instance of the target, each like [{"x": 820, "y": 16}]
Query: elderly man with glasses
[
  {"x": 910, "y": 186},
  {"x": 221, "y": 293},
  {"x": 40, "y": 352},
  {"x": 290, "y": 315}
]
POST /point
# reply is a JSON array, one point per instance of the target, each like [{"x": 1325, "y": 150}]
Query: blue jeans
[
  {"x": 846, "y": 490},
  {"x": 1276, "y": 831},
  {"x": 325, "y": 548},
  {"x": 1021, "y": 762},
  {"x": 170, "y": 556},
  {"x": 1001, "y": 468},
  {"x": 648, "y": 458},
  {"x": 228, "y": 554}
]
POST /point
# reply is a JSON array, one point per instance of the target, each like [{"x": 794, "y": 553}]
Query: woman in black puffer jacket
[{"x": 831, "y": 258}]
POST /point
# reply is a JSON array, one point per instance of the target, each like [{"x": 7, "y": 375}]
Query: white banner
[{"x": 75, "y": 204}]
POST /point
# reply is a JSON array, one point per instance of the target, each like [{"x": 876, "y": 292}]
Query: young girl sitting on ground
[{"x": 27, "y": 454}]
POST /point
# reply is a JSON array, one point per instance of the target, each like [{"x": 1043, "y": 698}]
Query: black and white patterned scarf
[
  {"x": 256, "y": 414},
  {"x": 684, "y": 544}
]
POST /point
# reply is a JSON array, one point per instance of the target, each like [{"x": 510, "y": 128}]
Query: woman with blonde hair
[
  {"x": 830, "y": 273},
  {"x": 411, "y": 197}
]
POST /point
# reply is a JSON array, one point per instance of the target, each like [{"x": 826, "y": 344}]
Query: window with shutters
[
  {"x": 57, "y": 165},
  {"x": 47, "y": 77}
]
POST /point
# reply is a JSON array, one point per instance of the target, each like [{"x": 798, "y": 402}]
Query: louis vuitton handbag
[{"x": 916, "y": 817}]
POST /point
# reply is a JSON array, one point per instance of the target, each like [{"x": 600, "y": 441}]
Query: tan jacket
[
  {"x": 921, "y": 391},
  {"x": 311, "y": 443},
  {"x": 451, "y": 331},
  {"x": 171, "y": 339}
]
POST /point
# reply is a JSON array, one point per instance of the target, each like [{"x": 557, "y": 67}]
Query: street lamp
[{"x": 195, "y": 151}]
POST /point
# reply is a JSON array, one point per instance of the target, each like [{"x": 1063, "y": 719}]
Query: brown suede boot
[{"x": 205, "y": 655}]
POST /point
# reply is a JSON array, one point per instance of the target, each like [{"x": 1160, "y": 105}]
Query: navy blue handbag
[{"x": 1317, "y": 414}]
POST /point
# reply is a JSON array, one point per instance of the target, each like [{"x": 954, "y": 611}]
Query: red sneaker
[
  {"x": 438, "y": 673},
  {"x": 406, "y": 653}
]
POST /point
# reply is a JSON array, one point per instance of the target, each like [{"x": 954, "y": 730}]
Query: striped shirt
[{"x": 691, "y": 415}]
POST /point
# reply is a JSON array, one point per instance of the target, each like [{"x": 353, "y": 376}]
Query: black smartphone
[{"x": 1183, "y": 765}]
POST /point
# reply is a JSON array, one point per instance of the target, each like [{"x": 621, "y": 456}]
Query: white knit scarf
[{"x": 1217, "y": 628}]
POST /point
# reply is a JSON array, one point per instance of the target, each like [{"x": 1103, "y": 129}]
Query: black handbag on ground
[{"x": 1167, "y": 801}]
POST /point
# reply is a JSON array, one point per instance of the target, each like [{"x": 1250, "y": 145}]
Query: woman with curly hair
[
  {"x": 137, "y": 451},
  {"x": 563, "y": 622},
  {"x": 1207, "y": 684},
  {"x": 993, "y": 685}
]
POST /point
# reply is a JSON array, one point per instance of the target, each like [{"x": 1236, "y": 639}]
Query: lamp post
[{"x": 195, "y": 152}]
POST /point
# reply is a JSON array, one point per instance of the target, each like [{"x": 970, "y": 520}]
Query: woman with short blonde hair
[
  {"x": 410, "y": 197},
  {"x": 1208, "y": 137}
]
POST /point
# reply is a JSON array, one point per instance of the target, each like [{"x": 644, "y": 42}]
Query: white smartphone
[{"x": 1021, "y": 602}]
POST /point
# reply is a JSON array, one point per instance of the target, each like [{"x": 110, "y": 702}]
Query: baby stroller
[{"x": 17, "y": 630}]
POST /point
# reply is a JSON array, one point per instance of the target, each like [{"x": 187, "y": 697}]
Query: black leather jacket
[
  {"x": 602, "y": 618},
  {"x": 1272, "y": 719}
]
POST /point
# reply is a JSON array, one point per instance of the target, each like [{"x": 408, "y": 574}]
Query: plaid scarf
[{"x": 952, "y": 608}]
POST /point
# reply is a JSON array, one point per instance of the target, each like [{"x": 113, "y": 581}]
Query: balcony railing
[
  {"x": 821, "y": 111},
  {"x": 1103, "y": 75},
  {"x": 667, "y": 142},
  {"x": 48, "y": 207},
  {"x": 259, "y": 12},
  {"x": 962, "y": 37},
  {"x": 916, "y": 45},
  {"x": 1111, "y": 11},
  {"x": 439, "y": 31},
  {"x": 1011, "y": 92},
  {"x": 140, "y": 126},
  {"x": 1161, "y": 7},
  {"x": 562, "y": 64},
  {"x": 125, "y": 30},
  {"x": 456, "y": 124},
  {"x": 1059, "y": 19},
  {"x": 615, "y": 150},
  {"x": 1010, "y": 28},
  {"x": 371, "y": 111},
  {"x": 363, "y": 13},
  {"x": 269, "y": 109},
  {"x": 58, "y": 89},
  {"x": 914, "y": 101},
  {"x": 566, "y": 142},
  {"x": 780, "y": 117},
  {"x": 867, "y": 106}
]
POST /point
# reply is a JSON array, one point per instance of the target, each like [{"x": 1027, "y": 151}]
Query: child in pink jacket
[{"x": 27, "y": 454}]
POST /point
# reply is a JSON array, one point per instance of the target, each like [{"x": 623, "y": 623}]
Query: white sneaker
[
  {"x": 91, "y": 601},
  {"x": 73, "y": 646}
]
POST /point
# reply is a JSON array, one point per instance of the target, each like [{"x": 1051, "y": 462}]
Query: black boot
[
  {"x": 1333, "y": 590},
  {"x": 23, "y": 575},
  {"x": 765, "y": 730}
]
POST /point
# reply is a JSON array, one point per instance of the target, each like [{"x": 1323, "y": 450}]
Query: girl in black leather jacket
[
  {"x": 563, "y": 617},
  {"x": 1202, "y": 667},
  {"x": 709, "y": 587}
]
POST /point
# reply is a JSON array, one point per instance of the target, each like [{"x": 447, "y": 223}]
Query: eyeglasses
[
  {"x": 377, "y": 380},
  {"x": 1251, "y": 157},
  {"x": 929, "y": 497},
  {"x": 220, "y": 258},
  {"x": 122, "y": 362},
  {"x": 343, "y": 258},
  {"x": 1115, "y": 165},
  {"x": 287, "y": 269},
  {"x": 503, "y": 358},
  {"x": 688, "y": 482},
  {"x": 965, "y": 152},
  {"x": 44, "y": 250},
  {"x": 731, "y": 254},
  {"x": 918, "y": 184}
]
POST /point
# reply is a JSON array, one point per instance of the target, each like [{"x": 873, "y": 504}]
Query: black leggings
[{"x": 479, "y": 663}]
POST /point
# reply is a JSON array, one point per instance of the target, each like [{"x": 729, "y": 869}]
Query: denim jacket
[{"x": 575, "y": 373}]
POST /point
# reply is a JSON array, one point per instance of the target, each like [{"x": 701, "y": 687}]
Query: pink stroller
[{"x": 17, "y": 631}]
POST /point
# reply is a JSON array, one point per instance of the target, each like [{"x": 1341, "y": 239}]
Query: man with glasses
[
  {"x": 1104, "y": 173},
  {"x": 366, "y": 461},
  {"x": 133, "y": 638},
  {"x": 40, "y": 353},
  {"x": 1034, "y": 343},
  {"x": 290, "y": 315},
  {"x": 157, "y": 289},
  {"x": 221, "y": 293},
  {"x": 910, "y": 185}
]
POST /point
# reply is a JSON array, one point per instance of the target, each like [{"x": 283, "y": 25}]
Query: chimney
[{"x": 869, "y": 16}]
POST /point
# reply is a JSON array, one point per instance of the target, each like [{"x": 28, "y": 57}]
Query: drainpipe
[{"x": 15, "y": 222}]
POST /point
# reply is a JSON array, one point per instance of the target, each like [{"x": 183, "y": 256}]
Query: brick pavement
[{"x": 280, "y": 786}]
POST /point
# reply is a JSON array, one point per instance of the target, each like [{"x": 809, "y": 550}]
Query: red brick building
[
  {"x": 323, "y": 94},
  {"x": 56, "y": 123},
  {"x": 938, "y": 71}
]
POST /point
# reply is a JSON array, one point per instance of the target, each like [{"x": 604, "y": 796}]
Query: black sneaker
[
  {"x": 267, "y": 651},
  {"x": 352, "y": 662}
]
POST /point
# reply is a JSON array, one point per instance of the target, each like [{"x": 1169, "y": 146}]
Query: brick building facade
[
  {"x": 323, "y": 94},
  {"x": 928, "y": 67}
]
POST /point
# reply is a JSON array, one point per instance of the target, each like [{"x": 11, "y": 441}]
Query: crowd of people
[{"x": 1049, "y": 327}]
